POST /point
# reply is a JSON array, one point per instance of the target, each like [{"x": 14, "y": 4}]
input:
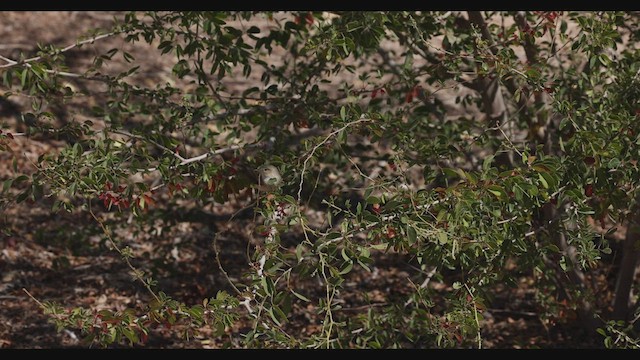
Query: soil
[{"x": 50, "y": 258}]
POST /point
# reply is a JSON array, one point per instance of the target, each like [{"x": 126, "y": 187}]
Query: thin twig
[
  {"x": 427, "y": 280},
  {"x": 513, "y": 147},
  {"x": 216, "y": 250},
  {"x": 506, "y": 220},
  {"x": 514, "y": 312},
  {"x": 136, "y": 272},
  {"x": 126, "y": 133},
  {"x": 216, "y": 152},
  {"x": 304, "y": 165},
  {"x": 363, "y": 307},
  {"x": 33, "y": 298},
  {"x": 475, "y": 315}
]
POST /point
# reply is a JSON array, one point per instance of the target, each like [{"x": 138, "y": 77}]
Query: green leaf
[
  {"x": 518, "y": 193},
  {"x": 531, "y": 189},
  {"x": 551, "y": 179},
  {"x": 23, "y": 196},
  {"x": 23, "y": 77},
  {"x": 380, "y": 246},
  {"x": 540, "y": 168},
  {"x": 272, "y": 313},
  {"x": 250, "y": 90},
  {"x": 563, "y": 27},
  {"x": 462, "y": 174},
  {"x": 344, "y": 255},
  {"x": 127, "y": 57},
  {"x": 267, "y": 286},
  {"x": 300, "y": 296},
  {"x": 344, "y": 227},
  {"x": 364, "y": 266},
  {"x": 141, "y": 202},
  {"x": 392, "y": 205},
  {"x": 471, "y": 178},
  {"x": 563, "y": 263},
  {"x": 347, "y": 269},
  {"x": 131, "y": 335},
  {"x": 451, "y": 173},
  {"x": 113, "y": 333},
  {"x": 553, "y": 248},
  {"x": 486, "y": 164},
  {"x": 544, "y": 182},
  {"x": 532, "y": 73},
  {"x": 411, "y": 235},
  {"x": 299, "y": 250},
  {"x": 370, "y": 217},
  {"x": 6, "y": 185},
  {"x": 373, "y": 200},
  {"x": 497, "y": 191},
  {"x": 442, "y": 237},
  {"x": 408, "y": 61},
  {"x": 56, "y": 206}
]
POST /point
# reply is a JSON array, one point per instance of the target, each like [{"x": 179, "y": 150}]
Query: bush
[{"x": 478, "y": 147}]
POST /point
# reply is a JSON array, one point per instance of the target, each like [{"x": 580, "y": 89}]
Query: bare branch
[
  {"x": 12, "y": 63},
  {"x": 183, "y": 160}
]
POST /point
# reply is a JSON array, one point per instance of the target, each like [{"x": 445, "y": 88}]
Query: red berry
[
  {"x": 309, "y": 18},
  {"x": 376, "y": 208},
  {"x": 588, "y": 190},
  {"x": 589, "y": 160},
  {"x": 391, "y": 232},
  {"x": 409, "y": 97}
]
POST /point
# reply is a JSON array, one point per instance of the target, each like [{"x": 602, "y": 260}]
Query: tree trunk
[{"x": 627, "y": 272}]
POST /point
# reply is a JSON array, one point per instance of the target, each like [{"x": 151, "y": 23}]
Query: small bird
[{"x": 270, "y": 177}]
